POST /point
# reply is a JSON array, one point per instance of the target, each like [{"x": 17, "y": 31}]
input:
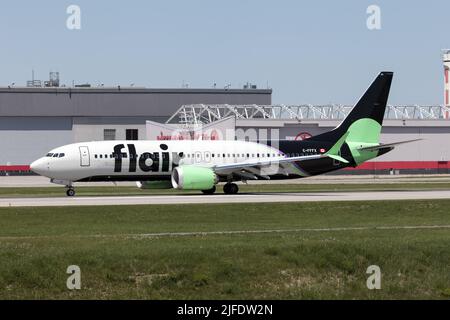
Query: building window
[
  {"x": 131, "y": 134},
  {"x": 109, "y": 134}
]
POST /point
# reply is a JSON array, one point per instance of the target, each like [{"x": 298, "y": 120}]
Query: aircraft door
[{"x": 84, "y": 157}]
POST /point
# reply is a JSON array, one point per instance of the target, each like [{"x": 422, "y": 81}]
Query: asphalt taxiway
[{"x": 222, "y": 198}]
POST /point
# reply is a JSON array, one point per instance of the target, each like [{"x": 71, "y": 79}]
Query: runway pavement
[{"x": 222, "y": 198}]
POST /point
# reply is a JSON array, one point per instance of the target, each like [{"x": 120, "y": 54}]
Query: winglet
[{"x": 334, "y": 151}]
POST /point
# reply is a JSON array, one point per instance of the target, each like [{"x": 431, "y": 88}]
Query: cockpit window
[{"x": 55, "y": 155}]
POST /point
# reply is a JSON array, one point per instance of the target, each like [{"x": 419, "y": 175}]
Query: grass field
[
  {"x": 158, "y": 252},
  {"x": 122, "y": 190}
]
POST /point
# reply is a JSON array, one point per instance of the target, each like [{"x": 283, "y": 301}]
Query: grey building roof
[{"x": 117, "y": 101}]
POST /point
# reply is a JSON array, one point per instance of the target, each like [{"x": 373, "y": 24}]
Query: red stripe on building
[
  {"x": 446, "y": 75},
  {"x": 446, "y": 98},
  {"x": 14, "y": 168},
  {"x": 402, "y": 165}
]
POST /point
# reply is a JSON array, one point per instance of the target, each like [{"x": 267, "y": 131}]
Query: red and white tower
[{"x": 446, "y": 60}]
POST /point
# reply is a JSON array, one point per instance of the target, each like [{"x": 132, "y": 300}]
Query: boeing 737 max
[{"x": 200, "y": 165}]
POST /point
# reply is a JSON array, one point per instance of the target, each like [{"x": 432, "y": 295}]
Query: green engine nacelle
[
  {"x": 166, "y": 184},
  {"x": 193, "y": 178}
]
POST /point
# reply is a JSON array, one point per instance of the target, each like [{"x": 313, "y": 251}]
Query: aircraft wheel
[
  {"x": 234, "y": 188},
  {"x": 210, "y": 191},
  {"x": 70, "y": 192},
  {"x": 230, "y": 188}
]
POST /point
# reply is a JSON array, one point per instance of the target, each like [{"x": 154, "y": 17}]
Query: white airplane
[{"x": 201, "y": 165}]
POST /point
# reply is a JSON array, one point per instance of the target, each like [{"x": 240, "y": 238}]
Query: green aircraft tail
[{"x": 362, "y": 127}]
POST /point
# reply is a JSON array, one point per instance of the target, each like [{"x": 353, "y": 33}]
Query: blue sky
[{"x": 307, "y": 51}]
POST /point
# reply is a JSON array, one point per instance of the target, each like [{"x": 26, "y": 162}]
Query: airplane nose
[{"x": 38, "y": 166}]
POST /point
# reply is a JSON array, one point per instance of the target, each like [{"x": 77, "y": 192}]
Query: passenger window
[
  {"x": 61, "y": 155},
  {"x": 101, "y": 156},
  {"x": 223, "y": 155},
  {"x": 55, "y": 155},
  {"x": 95, "y": 156},
  {"x": 248, "y": 155}
]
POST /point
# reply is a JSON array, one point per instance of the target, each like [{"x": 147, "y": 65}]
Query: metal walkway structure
[{"x": 197, "y": 114}]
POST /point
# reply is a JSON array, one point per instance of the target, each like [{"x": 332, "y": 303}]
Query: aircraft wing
[
  {"x": 388, "y": 145},
  {"x": 252, "y": 166},
  {"x": 249, "y": 165}
]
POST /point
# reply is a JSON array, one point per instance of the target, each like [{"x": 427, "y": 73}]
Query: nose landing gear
[{"x": 70, "y": 192}]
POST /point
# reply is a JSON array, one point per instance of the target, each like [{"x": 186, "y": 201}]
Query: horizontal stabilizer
[
  {"x": 334, "y": 152},
  {"x": 338, "y": 158},
  {"x": 388, "y": 145}
]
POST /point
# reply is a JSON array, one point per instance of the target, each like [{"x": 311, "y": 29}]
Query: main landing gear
[
  {"x": 70, "y": 192},
  {"x": 230, "y": 188}
]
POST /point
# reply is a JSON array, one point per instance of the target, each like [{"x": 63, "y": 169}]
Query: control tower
[{"x": 446, "y": 60}]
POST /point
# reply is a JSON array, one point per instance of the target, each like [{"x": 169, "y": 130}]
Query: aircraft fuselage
[{"x": 155, "y": 160}]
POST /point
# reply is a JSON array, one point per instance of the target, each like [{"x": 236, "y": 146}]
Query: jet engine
[{"x": 193, "y": 178}]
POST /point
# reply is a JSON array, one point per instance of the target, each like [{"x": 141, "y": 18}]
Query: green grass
[
  {"x": 117, "y": 261},
  {"x": 114, "y": 191}
]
